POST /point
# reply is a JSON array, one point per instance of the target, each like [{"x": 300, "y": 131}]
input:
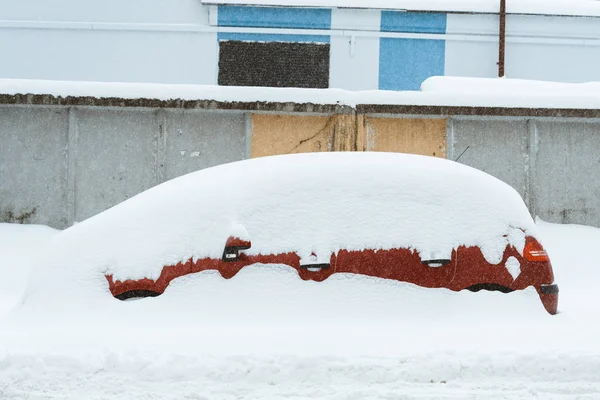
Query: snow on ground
[
  {"x": 266, "y": 334},
  {"x": 436, "y": 91},
  {"x": 17, "y": 245}
]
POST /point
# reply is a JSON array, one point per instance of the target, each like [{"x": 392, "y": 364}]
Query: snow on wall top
[
  {"x": 540, "y": 7},
  {"x": 315, "y": 202},
  {"x": 435, "y": 91}
]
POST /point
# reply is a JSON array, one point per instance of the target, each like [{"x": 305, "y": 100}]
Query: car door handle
[
  {"x": 437, "y": 262},
  {"x": 315, "y": 267}
]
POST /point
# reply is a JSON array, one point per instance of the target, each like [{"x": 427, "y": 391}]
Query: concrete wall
[
  {"x": 63, "y": 164},
  {"x": 552, "y": 163},
  {"x": 33, "y": 165},
  {"x": 565, "y": 166},
  {"x": 68, "y": 164},
  {"x": 498, "y": 147}
]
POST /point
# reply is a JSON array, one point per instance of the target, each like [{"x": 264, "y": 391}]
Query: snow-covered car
[{"x": 423, "y": 220}]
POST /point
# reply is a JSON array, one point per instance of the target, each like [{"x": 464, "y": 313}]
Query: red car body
[{"x": 466, "y": 269}]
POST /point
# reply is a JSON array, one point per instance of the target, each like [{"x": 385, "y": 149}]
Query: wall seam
[
  {"x": 531, "y": 166},
  {"x": 450, "y": 139},
  {"x": 161, "y": 147},
  {"x": 73, "y": 136}
]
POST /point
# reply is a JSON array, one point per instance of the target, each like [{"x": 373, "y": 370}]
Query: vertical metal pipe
[{"x": 502, "y": 37}]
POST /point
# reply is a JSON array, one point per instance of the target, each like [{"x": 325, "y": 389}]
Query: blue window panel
[
  {"x": 267, "y": 37},
  {"x": 405, "y": 63},
  {"x": 275, "y": 17},
  {"x": 395, "y": 21}
]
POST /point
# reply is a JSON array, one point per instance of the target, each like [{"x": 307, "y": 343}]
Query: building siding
[
  {"x": 274, "y": 17},
  {"x": 405, "y": 63},
  {"x": 178, "y": 42},
  {"x": 413, "y": 22}
]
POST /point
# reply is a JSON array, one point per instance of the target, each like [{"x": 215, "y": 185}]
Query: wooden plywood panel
[
  {"x": 286, "y": 134},
  {"x": 407, "y": 135}
]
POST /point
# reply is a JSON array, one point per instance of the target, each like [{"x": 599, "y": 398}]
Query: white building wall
[
  {"x": 171, "y": 41},
  {"x": 561, "y": 49},
  {"x": 471, "y": 45},
  {"x": 564, "y": 49},
  {"x": 135, "y": 41},
  {"x": 354, "y": 63},
  {"x": 138, "y": 11}
]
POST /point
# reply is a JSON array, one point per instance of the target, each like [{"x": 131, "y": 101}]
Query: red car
[{"x": 427, "y": 221}]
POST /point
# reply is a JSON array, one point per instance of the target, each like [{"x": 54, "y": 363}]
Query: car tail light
[{"x": 535, "y": 252}]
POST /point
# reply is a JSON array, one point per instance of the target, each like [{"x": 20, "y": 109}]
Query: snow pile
[
  {"x": 435, "y": 91},
  {"x": 513, "y": 87},
  {"x": 304, "y": 203},
  {"x": 544, "y": 7},
  {"x": 573, "y": 249},
  {"x": 17, "y": 246},
  {"x": 161, "y": 91},
  {"x": 503, "y": 92}
]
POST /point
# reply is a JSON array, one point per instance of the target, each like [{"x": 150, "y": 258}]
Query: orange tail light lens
[{"x": 534, "y": 251}]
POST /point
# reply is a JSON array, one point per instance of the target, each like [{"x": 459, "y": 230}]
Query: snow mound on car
[{"x": 317, "y": 202}]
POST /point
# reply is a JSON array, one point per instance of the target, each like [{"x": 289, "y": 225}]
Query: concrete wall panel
[
  {"x": 566, "y": 170},
  {"x": 498, "y": 147},
  {"x": 116, "y": 157},
  {"x": 33, "y": 165},
  {"x": 198, "y": 139}
]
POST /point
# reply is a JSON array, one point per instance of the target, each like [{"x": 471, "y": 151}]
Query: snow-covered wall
[{"x": 178, "y": 42}]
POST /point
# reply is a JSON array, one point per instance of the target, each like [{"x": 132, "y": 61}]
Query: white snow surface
[
  {"x": 544, "y": 7},
  {"x": 308, "y": 203},
  {"x": 435, "y": 91},
  {"x": 17, "y": 245},
  {"x": 501, "y": 86},
  {"x": 267, "y": 334}
]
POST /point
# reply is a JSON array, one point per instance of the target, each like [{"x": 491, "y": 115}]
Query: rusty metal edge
[
  {"x": 448, "y": 111},
  {"x": 45, "y": 99},
  {"x": 289, "y": 107}
]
